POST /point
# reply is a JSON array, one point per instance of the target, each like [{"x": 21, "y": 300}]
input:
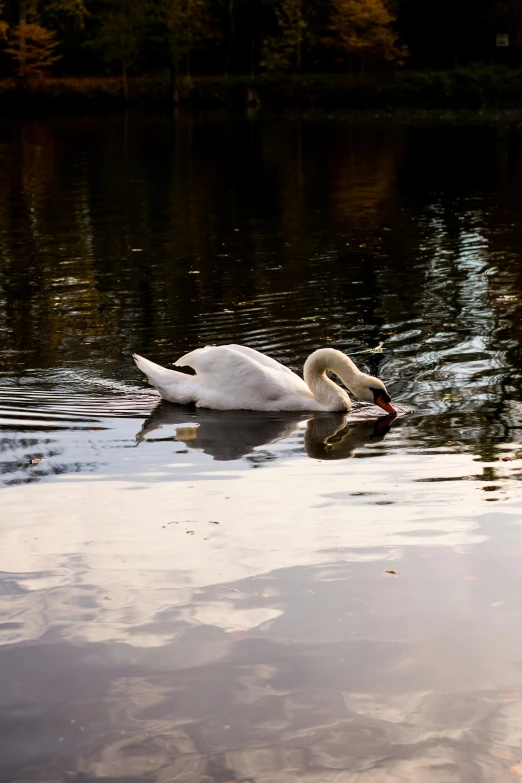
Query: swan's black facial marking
[{"x": 380, "y": 393}]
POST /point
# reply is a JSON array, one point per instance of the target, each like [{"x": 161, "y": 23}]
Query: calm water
[{"x": 212, "y": 597}]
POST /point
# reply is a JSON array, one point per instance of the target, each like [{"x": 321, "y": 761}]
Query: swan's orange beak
[{"x": 386, "y": 406}]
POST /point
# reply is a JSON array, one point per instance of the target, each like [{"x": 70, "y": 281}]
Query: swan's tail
[
  {"x": 173, "y": 386},
  {"x": 154, "y": 372}
]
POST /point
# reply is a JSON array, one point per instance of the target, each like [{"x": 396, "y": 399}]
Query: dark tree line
[{"x": 186, "y": 37}]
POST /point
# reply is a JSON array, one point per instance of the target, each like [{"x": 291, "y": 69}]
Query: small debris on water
[
  {"x": 377, "y": 349},
  {"x": 507, "y": 459},
  {"x": 393, "y": 573},
  {"x": 137, "y": 250},
  {"x": 36, "y": 460},
  {"x": 190, "y": 532},
  {"x": 212, "y": 522}
]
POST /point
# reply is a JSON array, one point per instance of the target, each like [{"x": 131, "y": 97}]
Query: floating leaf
[{"x": 377, "y": 349}]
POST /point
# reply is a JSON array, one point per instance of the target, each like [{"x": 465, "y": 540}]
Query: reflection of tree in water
[
  {"x": 300, "y": 233},
  {"x": 80, "y": 216}
]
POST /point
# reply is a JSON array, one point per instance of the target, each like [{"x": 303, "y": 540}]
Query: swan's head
[{"x": 370, "y": 389}]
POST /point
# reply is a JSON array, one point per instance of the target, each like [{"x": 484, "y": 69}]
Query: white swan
[{"x": 233, "y": 377}]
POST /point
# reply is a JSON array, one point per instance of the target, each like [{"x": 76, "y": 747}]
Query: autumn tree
[
  {"x": 3, "y": 24},
  {"x": 34, "y": 33},
  {"x": 32, "y": 49},
  {"x": 364, "y": 28},
  {"x": 283, "y": 52}
]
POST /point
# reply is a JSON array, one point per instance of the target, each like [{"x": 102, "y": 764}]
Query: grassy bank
[{"x": 471, "y": 87}]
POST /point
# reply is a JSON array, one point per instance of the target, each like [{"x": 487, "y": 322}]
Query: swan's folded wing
[
  {"x": 238, "y": 378},
  {"x": 261, "y": 358}
]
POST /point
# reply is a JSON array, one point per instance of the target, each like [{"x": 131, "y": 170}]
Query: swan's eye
[{"x": 381, "y": 394}]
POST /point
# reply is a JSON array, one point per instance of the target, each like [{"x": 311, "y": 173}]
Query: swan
[{"x": 234, "y": 377}]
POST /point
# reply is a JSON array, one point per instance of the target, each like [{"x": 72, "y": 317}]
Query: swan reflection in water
[{"x": 230, "y": 435}]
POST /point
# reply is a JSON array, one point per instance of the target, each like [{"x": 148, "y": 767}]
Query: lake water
[{"x": 211, "y": 597}]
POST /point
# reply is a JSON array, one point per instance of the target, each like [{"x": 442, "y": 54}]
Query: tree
[
  {"x": 32, "y": 42},
  {"x": 3, "y": 25},
  {"x": 186, "y": 25},
  {"x": 121, "y": 34},
  {"x": 231, "y": 10},
  {"x": 364, "y": 28},
  {"x": 32, "y": 49},
  {"x": 284, "y": 51}
]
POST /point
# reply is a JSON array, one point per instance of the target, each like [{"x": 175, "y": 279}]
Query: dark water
[{"x": 211, "y": 597}]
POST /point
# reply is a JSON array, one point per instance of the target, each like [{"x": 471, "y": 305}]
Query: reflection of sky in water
[
  {"x": 128, "y": 532},
  {"x": 273, "y": 641}
]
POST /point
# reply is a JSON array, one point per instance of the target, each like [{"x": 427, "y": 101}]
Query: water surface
[{"x": 209, "y": 597}]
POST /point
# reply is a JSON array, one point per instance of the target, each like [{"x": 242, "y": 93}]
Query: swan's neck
[{"x": 325, "y": 391}]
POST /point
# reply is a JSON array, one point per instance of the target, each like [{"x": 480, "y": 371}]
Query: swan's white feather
[
  {"x": 232, "y": 379},
  {"x": 173, "y": 386}
]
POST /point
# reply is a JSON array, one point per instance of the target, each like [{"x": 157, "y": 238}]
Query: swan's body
[{"x": 233, "y": 377}]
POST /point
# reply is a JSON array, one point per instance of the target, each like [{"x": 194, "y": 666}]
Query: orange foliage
[
  {"x": 364, "y": 28},
  {"x": 32, "y": 48}
]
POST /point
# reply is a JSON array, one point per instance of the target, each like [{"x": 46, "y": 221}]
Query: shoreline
[{"x": 472, "y": 88}]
